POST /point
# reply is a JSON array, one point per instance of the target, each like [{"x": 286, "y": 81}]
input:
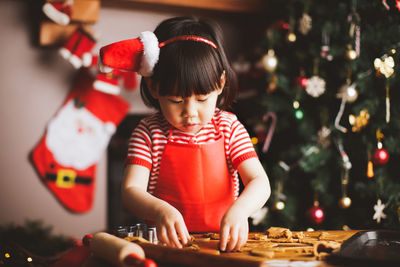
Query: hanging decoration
[
  {"x": 59, "y": 11},
  {"x": 379, "y": 214},
  {"x": 380, "y": 155},
  {"x": 305, "y": 24},
  {"x": 325, "y": 47},
  {"x": 291, "y": 36},
  {"x": 315, "y": 214},
  {"x": 348, "y": 93},
  {"x": 75, "y": 139},
  {"x": 270, "y": 61},
  {"x": 324, "y": 137},
  {"x": 385, "y": 65},
  {"x": 360, "y": 121},
  {"x": 269, "y": 116},
  {"x": 315, "y": 85}
]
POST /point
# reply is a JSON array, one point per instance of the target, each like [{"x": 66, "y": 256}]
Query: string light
[
  {"x": 7, "y": 255},
  {"x": 29, "y": 259},
  {"x": 299, "y": 114}
]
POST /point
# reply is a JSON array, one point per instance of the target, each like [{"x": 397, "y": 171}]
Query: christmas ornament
[
  {"x": 291, "y": 37},
  {"x": 325, "y": 47},
  {"x": 345, "y": 202},
  {"x": 370, "y": 169},
  {"x": 347, "y": 93},
  {"x": 278, "y": 205},
  {"x": 379, "y": 214},
  {"x": 272, "y": 117},
  {"x": 315, "y": 86},
  {"x": 305, "y": 23},
  {"x": 385, "y": 66},
  {"x": 360, "y": 121},
  {"x": 78, "y": 47},
  {"x": 351, "y": 54},
  {"x": 58, "y": 11},
  {"x": 74, "y": 141},
  {"x": 272, "y": 83},
  {"x": 107, "y": 83},
  {"x": 316, "y": 214},
  {"x": 323, "y": 137},
  {"x": 380, "y": 156},
  {"x": 270, "y": 61}
]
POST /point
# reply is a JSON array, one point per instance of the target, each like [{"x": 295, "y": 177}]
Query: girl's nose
[{"x": 190, "y": 109}]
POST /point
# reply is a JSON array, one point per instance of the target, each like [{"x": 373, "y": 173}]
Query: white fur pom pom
[{"x": 151, "y": 52}]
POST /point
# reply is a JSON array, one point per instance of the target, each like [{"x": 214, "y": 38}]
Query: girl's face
[{"x": 189, "y": 114}]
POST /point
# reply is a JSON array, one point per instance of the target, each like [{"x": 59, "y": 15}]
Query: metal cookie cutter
[{"x": 140, "y": 230}]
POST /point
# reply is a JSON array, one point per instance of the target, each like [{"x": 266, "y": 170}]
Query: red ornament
[
  {"x": 301, "y": 81},
  {"x": 380, "y": 156},
  {"x": 316, "y": 214}
]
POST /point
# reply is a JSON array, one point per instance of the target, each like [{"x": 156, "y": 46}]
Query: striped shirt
[{"x": 147, "y": 142}]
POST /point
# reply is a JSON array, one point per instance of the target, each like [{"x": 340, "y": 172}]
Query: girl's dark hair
[{"x": 190, "y": 67}]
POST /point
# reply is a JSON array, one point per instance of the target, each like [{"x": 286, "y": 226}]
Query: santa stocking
[
  {"x": 74, "y": 141},
  {"x": 58, "y": 11},
  {"x": 76, "y": 48}
]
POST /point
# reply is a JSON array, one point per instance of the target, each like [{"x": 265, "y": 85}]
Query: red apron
[{"x": 195, "y": 179}]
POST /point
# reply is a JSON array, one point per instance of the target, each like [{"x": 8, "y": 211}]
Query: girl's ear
[
  {"x": 222, "y": 81},
  {"x": 152, "y": 90}
]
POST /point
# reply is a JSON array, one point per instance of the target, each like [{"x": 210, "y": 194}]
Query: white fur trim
[
  {"x": 64, "y": 52},
  {"x": 106, "y": 88},
  {"x": 151, "y": 52},
  {"x": 87, "y": 59},
  {"x": 75, "y": 61},
  {"x": 55, "y": 15},
  {"x": 103, "y": 68}
]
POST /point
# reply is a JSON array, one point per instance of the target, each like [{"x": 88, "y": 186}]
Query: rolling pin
[{"x": 117, "y": 251}]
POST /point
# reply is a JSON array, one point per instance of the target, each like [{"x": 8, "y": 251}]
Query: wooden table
[{"x": 207, "y": 253}]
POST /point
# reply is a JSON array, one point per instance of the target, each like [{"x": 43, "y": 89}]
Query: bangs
[{"x": 186, "y": 68}]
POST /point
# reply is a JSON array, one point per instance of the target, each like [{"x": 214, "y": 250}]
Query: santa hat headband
[{"x": 140, "y": 54}]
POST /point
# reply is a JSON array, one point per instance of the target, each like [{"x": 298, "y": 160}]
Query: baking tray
[{"x": 378, "y": 248}]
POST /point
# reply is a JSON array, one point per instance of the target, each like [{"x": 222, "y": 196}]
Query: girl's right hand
[{"x": 170, "y": 226}]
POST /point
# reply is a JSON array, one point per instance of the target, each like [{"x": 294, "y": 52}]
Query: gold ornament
[
  {"x": 348, "y": 92},
  {"x": 360, "y": 121},
  {"x": 270, "y": 61},
  {"x": 386, "y": 67},
  {"x": 351, "y": 54},
  {"x": 345, "y": 202},
  {"x": 291, "y": 37},
  {"x": 279, "y": 205},
  {"x": 370, "y": 169}
]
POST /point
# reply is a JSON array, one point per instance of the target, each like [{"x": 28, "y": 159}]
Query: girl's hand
[
  {"x": 234, "y": 231},
  {"x": 170, "y": 225}
]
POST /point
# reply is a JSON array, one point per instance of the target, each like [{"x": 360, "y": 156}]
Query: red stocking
[{"x": 75, "y": 139}]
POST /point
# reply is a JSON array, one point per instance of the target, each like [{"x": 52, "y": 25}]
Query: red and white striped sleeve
[
  {"x": 139, "y": 147},
  {"x": 241, "y": 147}
]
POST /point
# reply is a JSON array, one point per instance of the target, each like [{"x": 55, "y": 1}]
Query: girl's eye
[
  {"x": 175, "y": 101},
  {"x": 202, "y": 100}
]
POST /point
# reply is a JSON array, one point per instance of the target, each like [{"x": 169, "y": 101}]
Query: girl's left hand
[{"x": 234, "y": 231}]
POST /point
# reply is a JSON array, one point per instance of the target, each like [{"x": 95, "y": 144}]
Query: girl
[{"x": 183, "y": 161}]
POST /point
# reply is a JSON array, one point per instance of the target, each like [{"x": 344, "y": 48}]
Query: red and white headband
[{"x": 140, "y": 54}]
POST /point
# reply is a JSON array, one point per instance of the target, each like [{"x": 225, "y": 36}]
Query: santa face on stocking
[{"x": 77, "y": 138}]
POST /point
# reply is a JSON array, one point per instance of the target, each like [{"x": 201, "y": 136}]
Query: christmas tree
[{"x": 327, "y": 93}]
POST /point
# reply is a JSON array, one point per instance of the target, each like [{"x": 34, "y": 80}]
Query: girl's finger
[
  {"x": 224, "y": 234},
  {"x": 234, "y": 238},
  {"x": 182, "y": 232},
  {"x": 162, "y": 235},
  {"x": 173, "y": 237}
]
